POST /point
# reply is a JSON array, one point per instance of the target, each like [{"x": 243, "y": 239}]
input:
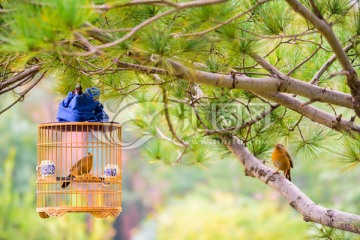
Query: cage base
[{"x": 98, "y": 212}]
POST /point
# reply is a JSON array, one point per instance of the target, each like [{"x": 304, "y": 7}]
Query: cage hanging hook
[{"x": 78, "y": 88}]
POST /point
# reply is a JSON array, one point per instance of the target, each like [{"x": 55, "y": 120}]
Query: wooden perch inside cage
[
  {"x": 79, "y": 169},
  {"x": 84, "y": 178}
]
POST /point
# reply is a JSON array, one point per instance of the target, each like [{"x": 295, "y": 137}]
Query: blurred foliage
[
  {"x": 221, "y": 215},
  {"x": 350, "y": 154},
  {"x": 18, "y": 132},
  {"x": 39, "y": 26}
]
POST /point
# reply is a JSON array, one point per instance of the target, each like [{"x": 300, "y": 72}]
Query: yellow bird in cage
[{"x": 83, "y": 166}]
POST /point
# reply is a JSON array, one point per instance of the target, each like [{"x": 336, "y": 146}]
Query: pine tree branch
[
  {"x": 314, "y": 114},
  {"x": 221, "y": 24},
  {"x": 269, "y": 84},
  {"x": 107, "y": 7},
  {"x": 326, "y": 30},
  {"x": 140, "y": 68},
  {"x": 18, "y": 84},
  {"x": 167, "y": 113},
  {"x": 311, "y": 92},
  {"x": 316, "y": 9},
  {"x": 168, "y": 119},
  {"x": 180, "y": 6},
  {"x": 327, "y": 64},
  {"x": 24, "y": 74},
  {"x": 22, "y": 95},
  {"x": 97, "y": 33},
  {"x": 265, "y": 87},
  {"x": 198, "y": 3},
  {"x": 310, "y": 211},
  {"x": 279, "y": 83},
  {"x": 272, "y": 85},
  {"x": 303, "y": 62},
  {"x": 252, "y": 84}
]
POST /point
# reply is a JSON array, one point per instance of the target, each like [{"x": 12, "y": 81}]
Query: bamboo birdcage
[{"x": 79, "y": 169}]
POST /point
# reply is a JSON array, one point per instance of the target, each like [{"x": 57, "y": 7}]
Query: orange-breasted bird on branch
[
  {"x": 282, "y": 160},
  {"x": 83, "y": 166}
]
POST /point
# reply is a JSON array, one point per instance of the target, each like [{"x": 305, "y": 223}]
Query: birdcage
[{"x": 79, "y": 169}]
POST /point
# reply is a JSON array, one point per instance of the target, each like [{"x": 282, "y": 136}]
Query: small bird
[
  {"x": 282, "y": 160},
  {"x": 82, "y": 166}
]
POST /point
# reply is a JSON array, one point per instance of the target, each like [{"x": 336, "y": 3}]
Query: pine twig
[{"x": 22, "y": 95}]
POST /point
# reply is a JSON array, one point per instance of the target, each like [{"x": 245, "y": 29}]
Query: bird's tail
[
  {"x": 65, "y": 184},
  {"x": 287, "y": 175}
]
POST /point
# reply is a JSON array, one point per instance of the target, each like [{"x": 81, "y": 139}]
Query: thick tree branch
[
  {"x": 325, "y": 29},
  {"x": 270, "y": 84},
  {"x": 24, "y": 74},
  {"x": 314, "y": 114},
  {"x": 314, "y": 92},
  {"x": 295, "y": 197}
]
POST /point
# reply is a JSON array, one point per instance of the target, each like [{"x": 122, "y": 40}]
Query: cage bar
[{"x": 79, "y": 169}]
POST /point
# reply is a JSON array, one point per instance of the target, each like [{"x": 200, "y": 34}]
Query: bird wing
[
  {"x": 81, "y": 166},
  {"x": 90, "y": 163},
  {"x": 76, "y": 168},
  {"x": 291, "y": 162},
  {"x": 86, "y": 164}
]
